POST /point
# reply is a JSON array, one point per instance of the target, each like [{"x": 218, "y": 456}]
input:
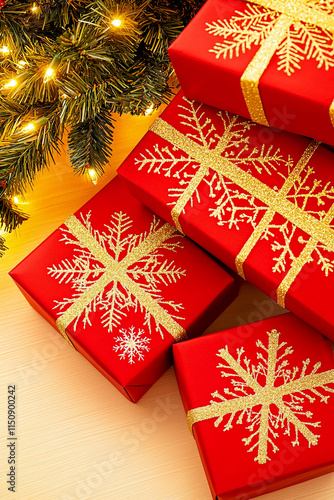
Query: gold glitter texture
[
  {"x": 264, "y": 408},
  {"x": 296, "y": 31},
  {"x": 331, "y": 112},
  {"x": 197, "y": 150},
  {"x": 93, "y": 268}
]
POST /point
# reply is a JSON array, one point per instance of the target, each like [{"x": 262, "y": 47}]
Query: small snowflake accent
[{"x": 131, "y": 344}]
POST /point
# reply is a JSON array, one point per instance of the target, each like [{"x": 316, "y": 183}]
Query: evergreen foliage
[{"x": 72, "y": 64}]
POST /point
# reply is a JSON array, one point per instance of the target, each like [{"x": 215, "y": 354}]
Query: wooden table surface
[{"x": 78, "y": 438}]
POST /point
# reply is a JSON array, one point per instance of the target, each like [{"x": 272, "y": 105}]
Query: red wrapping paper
[
  {"x": 252, "y": 438},
  {"x": 265, "y": 210},
  {"x": 296, "y": 86},
  {"x": 125, "y": 325}
]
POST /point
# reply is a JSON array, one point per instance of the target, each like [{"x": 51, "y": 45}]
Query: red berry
[
  {"x": 3, "y": 184},
  {"x": 2, "y": 3}
]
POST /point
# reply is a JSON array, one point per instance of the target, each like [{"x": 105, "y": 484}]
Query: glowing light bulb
[
  {"x": 116, "y": 22},
  {"x": 28, "y": 128},
  {"x": 49, "y": 74},
  {"x": 93, "y": 176},
  {"x": 5, "y": 50},
  {"x": 34, "y": 8},
  {"x": 10, "y": 84},
  {"x": 19, "y": 201},
  {"x": 22, "y": 63},
  {"x": 149, "y": 109}
]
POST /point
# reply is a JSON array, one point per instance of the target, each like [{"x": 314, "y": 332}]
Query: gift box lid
[
  {"x": 254, "y": 59},
  {"x": 122, "y": 285},
  {"x": 259, "y": 403}
]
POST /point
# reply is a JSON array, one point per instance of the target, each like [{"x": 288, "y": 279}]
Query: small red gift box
[
  {"x": 260, "y": 406},
  {"x": 122, "y": 286},
  {"x": 265, "y": 210},
  {"x": 268, "y": 60}
]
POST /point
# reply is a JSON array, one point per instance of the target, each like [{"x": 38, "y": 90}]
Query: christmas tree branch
[
  {"x": 89, "y": 142},
  {"x": 73, "y": 64}
]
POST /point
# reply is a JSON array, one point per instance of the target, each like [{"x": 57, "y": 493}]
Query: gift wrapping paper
[
  {"x": 265, "y": 209},
  {"x": 122, "y": 286},
  {"x": 268, "y": 60},
  {"x": 259, "y": 405}
]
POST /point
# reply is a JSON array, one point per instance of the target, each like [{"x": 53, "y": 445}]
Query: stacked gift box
[{"x": 125, "y": 281}]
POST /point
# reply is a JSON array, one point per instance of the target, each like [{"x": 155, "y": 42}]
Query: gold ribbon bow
[{"x": 116, "y": 271}]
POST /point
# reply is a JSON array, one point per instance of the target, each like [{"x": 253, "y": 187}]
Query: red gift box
[
  {"x": 268, "y": 60},
  {"x": 259, "y": 405},
  {"x": 121, "y": 286},
  {"x": 265, "y": 210}
]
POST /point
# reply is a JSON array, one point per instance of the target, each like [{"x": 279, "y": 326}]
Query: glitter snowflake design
[
  {"x": 131, "y": 344},
  {"x": 167, "y": 161},
  {"x": 125, "y": 272},
  {"x": 254, "y": 26},
  {"x": 198, "y": 179},
  {"x": 267, "y": 399}
]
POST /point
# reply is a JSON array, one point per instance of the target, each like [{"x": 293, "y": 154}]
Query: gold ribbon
[
  {"x": 276, "y": 201},
  {"x": 291, "y": 12},
  {"x": 116, "y": 271}
]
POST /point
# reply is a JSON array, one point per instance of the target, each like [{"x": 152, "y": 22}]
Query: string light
[
  {"x": 34, "y": 7},
  {"x": 22, "y": 63},
  {"x": 49, "y": 74},
  {"x": 149, "y": 109},
  {"x": 10, "y": 84},
  {"x": 4, "y": 50},
  {"x": 19, "y": 201},
  {"x": 116, "y": 23},
  {"x": 93, "y": 176},
  {"x": 28, "y": 128}
]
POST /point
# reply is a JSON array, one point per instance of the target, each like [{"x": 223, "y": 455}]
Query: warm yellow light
[
  {"x": 28, "y": 128},
  {"x": 93, "y": 176},
  {"x": 149, "y": 109},
  {"x": 49, "y": 73},
  {"x": 5, "y": 49},
  {"x": 10, "y": 84},
  {"x": 22, "y": 63},
  {"x": 34, "y": 8},
  {"x": 116, "y": 22},
  {"x": 19, "y": 201}
]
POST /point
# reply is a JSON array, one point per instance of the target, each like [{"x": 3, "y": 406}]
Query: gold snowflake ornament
[
  {"x": 116, "y": 272},
  {"x": 267, "y": 399},
  {"x": 295, "y": 40}
]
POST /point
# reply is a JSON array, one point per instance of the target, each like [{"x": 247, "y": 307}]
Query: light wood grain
[{"x": 78, "y": 438}]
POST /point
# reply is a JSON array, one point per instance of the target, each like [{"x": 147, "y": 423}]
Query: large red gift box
[
  {"x": 122, "y": 286},
  {"x": 260, "y": 405},
  {"x": 265, "y": 210},
  {"x": 268, "y": 60}
]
